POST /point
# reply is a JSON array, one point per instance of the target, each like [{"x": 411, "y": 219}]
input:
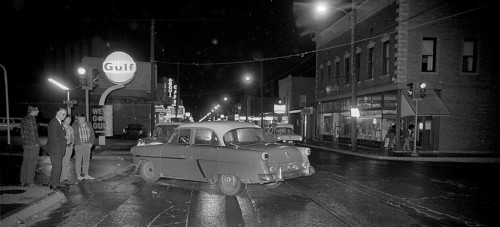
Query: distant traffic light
[
  {"x": 411, "y": 90},
  {"x": 422, "y": 86},
  {"x": 95, "y": 78}
]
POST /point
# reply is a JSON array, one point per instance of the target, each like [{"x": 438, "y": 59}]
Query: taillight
[{"x": 265, "y": 156}]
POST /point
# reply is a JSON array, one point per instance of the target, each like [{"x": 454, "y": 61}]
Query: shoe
[
  {"x": 79, "y": 178},
  {"x": 88, "y": 177},
  {"x": 23, "y": 185}
]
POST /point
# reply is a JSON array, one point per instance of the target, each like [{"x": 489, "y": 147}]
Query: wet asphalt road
[{"x": 345, "y": 191}]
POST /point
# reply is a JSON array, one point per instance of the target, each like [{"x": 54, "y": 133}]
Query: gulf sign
[{"x": 119, "y": 67}]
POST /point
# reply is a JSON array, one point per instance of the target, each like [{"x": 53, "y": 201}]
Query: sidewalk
[
  {"x": 422, "y": 156},
  {"x": 20, "y": 203}
]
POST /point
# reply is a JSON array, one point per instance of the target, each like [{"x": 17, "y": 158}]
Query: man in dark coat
[
  {"x": 31, "y": 146},
  {"x": 56, "y": 147}
]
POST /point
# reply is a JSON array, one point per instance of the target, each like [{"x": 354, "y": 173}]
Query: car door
[
  {"x": 173, "y": 155},
  {"x": 202, "y": 154}
]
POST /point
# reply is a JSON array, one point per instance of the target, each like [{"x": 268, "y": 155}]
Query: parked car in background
[
  {"x": 14, "y": 124},
  {"x": 161, "y": 134},
  {"x": 226, "y": 153},
  {"x": 134, "y": 130},
  {"x": 283, "y": 133}
]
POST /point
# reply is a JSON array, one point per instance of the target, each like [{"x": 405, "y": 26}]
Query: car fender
[{"x": 243, "y": 163}]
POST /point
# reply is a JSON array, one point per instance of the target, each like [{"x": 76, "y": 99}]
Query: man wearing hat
[{"x": 31, "y": 146}]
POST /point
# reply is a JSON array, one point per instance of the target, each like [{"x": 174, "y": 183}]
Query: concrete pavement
[{"x": 19, "y": 203}]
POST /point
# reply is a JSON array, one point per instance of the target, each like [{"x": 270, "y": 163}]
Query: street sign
[
  {"x": 305, "y": 111},
  {"x": 72, "y": 102}
]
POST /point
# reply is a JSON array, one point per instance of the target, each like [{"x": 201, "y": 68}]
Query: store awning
[{"x": 430, "y": 105}]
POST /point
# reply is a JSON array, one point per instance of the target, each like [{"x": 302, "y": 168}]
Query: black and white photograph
[{"x": 249, "y": 113}]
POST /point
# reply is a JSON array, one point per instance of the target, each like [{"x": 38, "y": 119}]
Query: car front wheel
[
  {"x": 229, "y": 184},
  {"x": 148, "y": 172}
]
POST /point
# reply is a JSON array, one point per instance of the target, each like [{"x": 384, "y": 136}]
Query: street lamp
[
  {"x": 62, "y": 86},
  {"x": 248, "y": 78},
  {"x": 321, "y": 9}
]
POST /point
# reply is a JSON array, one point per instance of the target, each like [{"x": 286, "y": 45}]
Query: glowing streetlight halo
[{"x": 55, "y": 82}]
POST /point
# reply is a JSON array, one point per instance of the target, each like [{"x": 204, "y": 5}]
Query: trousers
[
  {"x": 30, "y": 160},
  {"x": 66, "y": 163},
  {"x": 82, "y": 158},
  {"x": 56, "y": 158}
]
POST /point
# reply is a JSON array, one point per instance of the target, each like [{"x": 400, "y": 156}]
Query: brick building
[{"x": 445, "y": 44}]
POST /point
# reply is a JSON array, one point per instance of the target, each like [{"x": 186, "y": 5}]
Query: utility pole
[
  {"x": 153, "y": 76},
  {"x": 261, "y": 94},
  {"x": 354, "y": 135}
]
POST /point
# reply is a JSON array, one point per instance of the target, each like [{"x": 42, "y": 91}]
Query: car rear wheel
[
  {"x": 229, "y": 184},
  {"x": 273, "y": 185},
  {"x": 148, "y": 172}
]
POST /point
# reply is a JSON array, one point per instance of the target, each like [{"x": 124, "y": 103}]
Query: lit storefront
[{"x": 377, "y": 115}]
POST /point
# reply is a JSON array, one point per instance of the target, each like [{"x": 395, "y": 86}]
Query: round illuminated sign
[{"x": 119, "y": 67}]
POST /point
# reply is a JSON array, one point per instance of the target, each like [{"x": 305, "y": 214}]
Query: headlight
[
  {"x": 265, "y": 156},
  {"x": 300, "y": 138},
  {"x": 271, "y": 169}
]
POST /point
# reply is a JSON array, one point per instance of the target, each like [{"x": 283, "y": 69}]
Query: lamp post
[
  {"x": 62, "y": 86},
  {"x": 321, "y": 9},
  {"x": 248, "y": 79},
  {"x": 7, "y": 103}
]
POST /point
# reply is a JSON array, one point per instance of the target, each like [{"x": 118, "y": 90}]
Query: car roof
[
  {"x": 171, "y": 123},
  {"x": 281, "y": 125},
  {"x": 220, "y": 127}
]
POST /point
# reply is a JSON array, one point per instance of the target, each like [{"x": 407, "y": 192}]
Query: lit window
[
  {"x": 358, "y": 65},
  {"x": 385, "y": 61},
  {"x": 469, "y": 56},
  {"x": 347, "y": 71},
  {"x": 370, "y": 63},
  {"x": 337, "y": 72},
  {"x": 429, "y": 55}
]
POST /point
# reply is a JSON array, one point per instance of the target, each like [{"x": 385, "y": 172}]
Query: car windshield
[
  {"x": 284, "y": 130},
  {"x": 244, "y": 136}
]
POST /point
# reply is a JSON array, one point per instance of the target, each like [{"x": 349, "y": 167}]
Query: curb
[
  {"x": 414, "y": 159},
  {"x": 24, "y": 212},
  {"x": 108, "y": 157}
]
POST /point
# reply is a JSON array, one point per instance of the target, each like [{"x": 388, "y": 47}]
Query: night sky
[{"x": 213, "y": 42}]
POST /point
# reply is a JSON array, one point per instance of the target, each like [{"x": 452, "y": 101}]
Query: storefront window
[
  {"x": 390, "y": 100},
  {"x": 376, "y": 101},
  {"x": 369, "y": 125},
  {"x": 344, "y": 129},
  {"x": 365, "y": 102},
  {"x": 326, "y": 124}
]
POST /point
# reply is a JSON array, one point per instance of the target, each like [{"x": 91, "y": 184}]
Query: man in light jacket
[{"x": 84, "y": 140}]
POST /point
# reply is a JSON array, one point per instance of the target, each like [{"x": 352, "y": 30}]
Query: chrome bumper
[{"x": 282, "y": 175}]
